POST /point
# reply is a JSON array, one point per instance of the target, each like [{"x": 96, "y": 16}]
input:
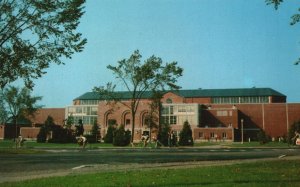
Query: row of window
[
  {"x": 212, "y": 135},
  {"x": 89, "y": 102},
  {"x": 85, "y": 119},
  {"x": 232, "y": 100},
  {"x": 178, "y": 109},
  {"x": 82, "y": 110}
]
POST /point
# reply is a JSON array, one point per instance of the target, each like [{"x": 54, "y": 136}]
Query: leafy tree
[
  {"x": 154, "y": 112},
  {"x": 34, "y": 34},
  {"x": 185, "y": 136},
  {"x": 121, "y": 137},
  {"x": 109, "y": 137},
  {"x": 3, "y": 112},
  {"x": 295, "y": 127},
  {"x": 69, "y": 122},
  {"x": 137, "y": 77},
  {"x": 294, "y": 19},
  {"x": 79, "y": 128},
  {"x": 19, "y": 102},
  {"x": 45, "y": 130}
]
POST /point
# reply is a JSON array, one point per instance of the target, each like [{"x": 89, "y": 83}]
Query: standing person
[{"x": 19, "y": 141}]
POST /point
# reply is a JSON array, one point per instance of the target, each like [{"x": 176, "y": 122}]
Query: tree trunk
[{"x": 132, "y": 127}]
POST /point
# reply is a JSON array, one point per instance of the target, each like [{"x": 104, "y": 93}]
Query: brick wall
[
  {"x": 1, "y": 131},
  {"x": 121, "y": 113},
  {"x": 205, "y": 134},
  {"x": 29, "y": 132},
  {"x": 58, "y": 114}
]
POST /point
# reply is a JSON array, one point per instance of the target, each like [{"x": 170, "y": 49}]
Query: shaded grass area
[
  {"x": 34, "y": 144},
  {"x": 270, "y": 173}
]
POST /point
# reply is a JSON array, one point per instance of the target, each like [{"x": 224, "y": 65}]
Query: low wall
[{"x": 29, "y": 132}]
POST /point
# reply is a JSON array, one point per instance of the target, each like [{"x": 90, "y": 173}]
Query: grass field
[
  {"x": 34, "y": 144},
  {"x": 268, "y": 173}
]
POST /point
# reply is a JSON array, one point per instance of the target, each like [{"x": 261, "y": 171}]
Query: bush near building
[
  {"x": 185, "y": 136},
  {"x": 45, "y": 130},
  {"x": 109, "y": 137},
  {"x": 62, "y": 135},
  {"x": 121, "y": 137},
  {"x": 163, "y": 134},
  {"x": 262, "y": 137}
]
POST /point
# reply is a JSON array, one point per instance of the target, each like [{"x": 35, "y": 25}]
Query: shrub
[
  {"x": 42, "y": 135},
  {"x": 62, "y": 135},
  {"x": 121, "y": 137},
  {"x": 109, "y": 137},
  {"x": 45, "y": 130},
  {"x": 95, "y": 131},
  {"x": 262, "y": 137},
  {"x": 185, "y": 136},
  {"x": 163, "y": 134}
]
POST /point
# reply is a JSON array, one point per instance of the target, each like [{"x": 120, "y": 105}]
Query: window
[
  {"x": 173, "y": 120},
  {"x": 222, "y": 113},
  {"x": 171, "y": 109},
  {"x": 94, "y": 110},
  {"x": 212, "y": 135},
  {"x": 165, "y": 110},
  {"x": 127, "y": 122},
  {"x": 224, "y": 135},
  {"x": 169, "y": 100},
  {"x": 201, "y": 135},
  {"x": 111, "y": 122}
]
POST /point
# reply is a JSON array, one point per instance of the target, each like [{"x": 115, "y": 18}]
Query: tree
[
  {"x": 138, "y": 78},
  {"x": 295, "y": 127},
  {"x": 19, "y": 102},
  {"x": 163, "y": 134},
  {"x": 121, "y": 137},
  {"x": 42, "y": 137},
  {"x": 295, "y": 18},
  {"x": 109, "y": 137},
  {"x": 95, "y": 131},
  {"x": 34, "y": 34},
  {"x": 3, "y": 112},
  {"x": 185, "y": 136},
  {"x": 69, "y": 122},
  {"x": 262, "y": 137}
]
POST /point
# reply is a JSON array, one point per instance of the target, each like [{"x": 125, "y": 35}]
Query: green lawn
[
  {"x": 34, "y": 144},
  {"x": 270, "y": 173}
]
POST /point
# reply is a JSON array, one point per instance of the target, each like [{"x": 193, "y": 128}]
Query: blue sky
[{"x": 219, "y": 44}]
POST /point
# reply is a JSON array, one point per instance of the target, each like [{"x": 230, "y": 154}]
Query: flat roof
[{"x": 193, "y": 93}]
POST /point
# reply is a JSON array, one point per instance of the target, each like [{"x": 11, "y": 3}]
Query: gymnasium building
[{"x": 214, "y": 114}]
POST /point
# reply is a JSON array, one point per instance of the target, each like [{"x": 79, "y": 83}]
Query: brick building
[
  {"x": 214, "y": 114},
  {"x": 29, "y": 128}
]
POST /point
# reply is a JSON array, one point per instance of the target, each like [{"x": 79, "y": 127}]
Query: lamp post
[{"x": 242, "y": 129}]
